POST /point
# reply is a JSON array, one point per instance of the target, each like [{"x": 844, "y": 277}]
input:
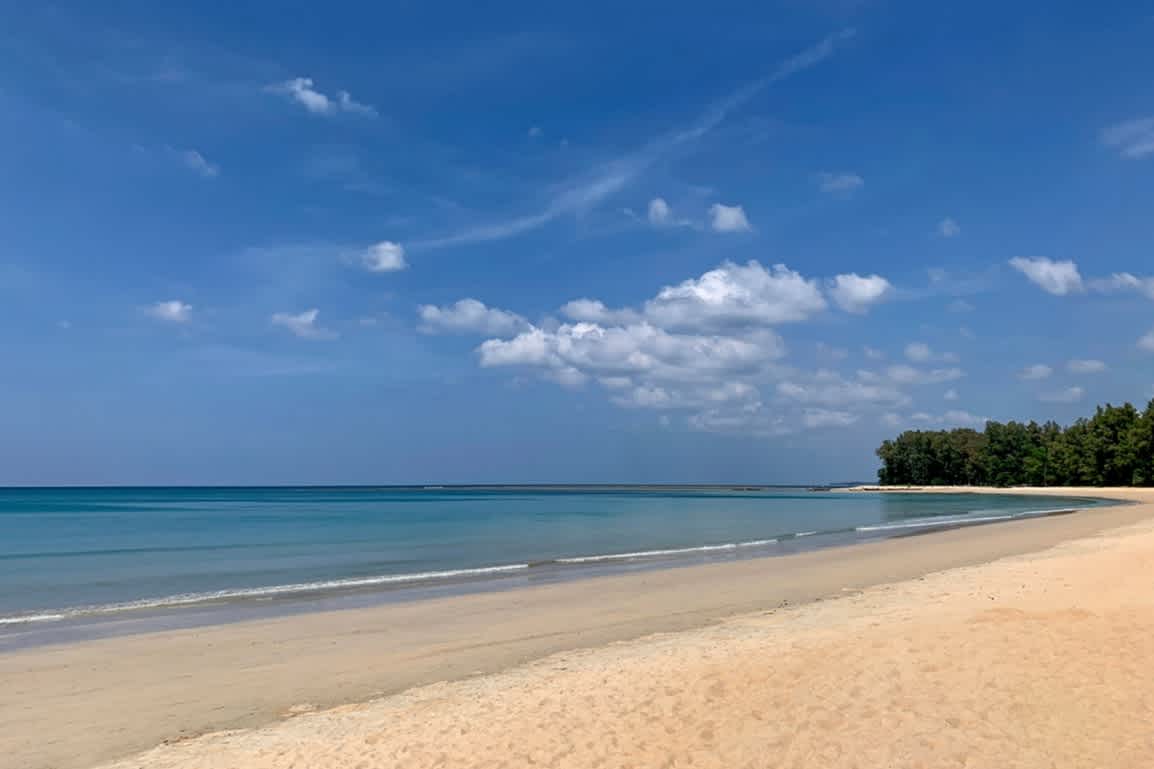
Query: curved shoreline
[
  {"x": 71, "y": 623},
  {"x": 247, "y": 674}
]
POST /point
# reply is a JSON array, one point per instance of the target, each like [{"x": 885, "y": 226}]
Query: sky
[{"x": 277, "y": 243}]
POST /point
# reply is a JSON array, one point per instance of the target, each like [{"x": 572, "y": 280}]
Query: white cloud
[
  {"x": 198, "y": 164},
  {"x": 815, "y": 418},
  {"x": 303, "y": 324},
  {"x": 951, "y": 394},
  {"x": 735, "y": 295},
  {"x": 302, "y": 91},
  {"x": 841, "y": 393},
  {"x": 1085, "y": 366},
  {"x": 908, "y": 375},
  {"x": 469, "y": 316},
  {"x": 1037, "y": 371},
  {"x": 1147, "y": 342},
  {"x": 706, "y": 346},
  {"x": 855, "y": 293},
  {"x": 535, "y": 132},
  {"x": 595, "y": 311},
  {"x": 948, "y": 228},
  {"x": 728, "y": 218},
  {"x": 891, "y": 419},
  {"x": 639, "y": 350},
  {"x": 1124, "y": 281},
  {"x": 171, "y": 311},
  {"x": 1068, "y": 395},
  {"x": 873, "y": 354},
  {"x": 1131, "y": 138},
  {"x": 920, "y": 352},
  {"x": 1053, "y": 277},
  {"x": 385, "y": 256},
  {"x": 839, "y": 182},
  {"x": 952, "y": 418},
  {"x": 960, "y": 305},
  {"x": 659, "y": 212}
]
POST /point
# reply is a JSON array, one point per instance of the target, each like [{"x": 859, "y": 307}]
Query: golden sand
[{"x": 1037, "y": 660}]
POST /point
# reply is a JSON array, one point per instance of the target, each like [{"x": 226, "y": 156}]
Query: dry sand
[{"x": 1038, "y": 660}]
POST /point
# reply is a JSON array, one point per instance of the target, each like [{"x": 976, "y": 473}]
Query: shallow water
[{"x": 112, "y": 553}]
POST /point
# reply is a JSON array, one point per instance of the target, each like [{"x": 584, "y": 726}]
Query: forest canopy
[{"x": 1115, "y": 447}]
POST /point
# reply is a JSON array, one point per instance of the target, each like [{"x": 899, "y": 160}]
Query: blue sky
[{"x": 391, "y": 243}]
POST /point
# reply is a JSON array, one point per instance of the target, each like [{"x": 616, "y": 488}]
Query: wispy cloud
[
  {"x": 949, "y": 228},
  {"x": 302, "y": 90},
  {"x": 586, "y": 191},
  {"x": 303, "y": 324},
  {"x": 198, "y": 164},
  {"x": 839, "y": 183},
  {"x": 1068, "y": 395},
  {"x": 1132, "y": 139}
]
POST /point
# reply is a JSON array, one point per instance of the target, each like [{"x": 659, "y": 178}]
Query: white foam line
[
  {"x": 671, "y": 551},
  {"x": 188, "y": 599}
]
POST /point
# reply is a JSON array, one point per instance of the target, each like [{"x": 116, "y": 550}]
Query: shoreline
[
  {"x": 75, "y": 623},
  {"x": 250, "y": 674}
]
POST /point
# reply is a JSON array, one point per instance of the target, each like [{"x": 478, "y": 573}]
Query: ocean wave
[
  {"x": 272, "y": 591},
  {"x": 640, "y": 554}
]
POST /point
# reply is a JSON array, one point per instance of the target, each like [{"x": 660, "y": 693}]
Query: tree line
[{"x": 1115, "y": 447}]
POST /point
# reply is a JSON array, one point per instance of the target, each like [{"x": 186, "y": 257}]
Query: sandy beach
[{"x": 1024, "y": 644}]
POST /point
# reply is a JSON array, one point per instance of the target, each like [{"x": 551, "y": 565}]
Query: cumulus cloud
[
  {"x": 1068, "y": 395},
  {"x": 873, "y": 353},
  {"x": 1053, "y": 277},
  {"x": 385, "y": 256},
  {"x": 302, "y": 90},
  {"x": 950, "y": 394},
  {"x": 737, "y": 295},
  {"x": 1147, "y": 342},
  {"x": 1037, "y": 371},
  {"x": 302, "y": 324},
  {"x": 171, "y": 311},
  {"x": 1133, "y": 139},
  {"x": 948, "y": 228},
  {"x": 728, "y": 219},
  {"x": 839, "y": 182},
  {"x": 707, "y": 346},
  {"x": 198, "y": 164},
  {"x": 470, "y": 316},
  {"x": 595, "y": 311},
  {"x": 1085, "y": 366},
  {"x": 855, "y": 293},
  {"x": 660, "y": 214}
]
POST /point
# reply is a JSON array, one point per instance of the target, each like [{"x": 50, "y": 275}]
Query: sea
[{"x": 88, "y": 562}]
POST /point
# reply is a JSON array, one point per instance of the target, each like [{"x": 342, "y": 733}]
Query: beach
[{"x": 1026, "y": 643}]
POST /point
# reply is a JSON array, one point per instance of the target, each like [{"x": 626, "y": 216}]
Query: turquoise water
[{"x": 106, "y": 553}]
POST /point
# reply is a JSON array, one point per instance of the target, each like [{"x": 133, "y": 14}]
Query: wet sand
[{"x": 1042, "y": 658}]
